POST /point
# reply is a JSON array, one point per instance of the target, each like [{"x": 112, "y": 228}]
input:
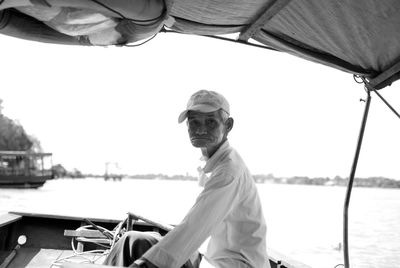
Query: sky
[{"x": 92, "y": 105}]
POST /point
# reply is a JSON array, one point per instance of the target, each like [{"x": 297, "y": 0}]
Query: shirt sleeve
[{"x": 211, "y": 207}]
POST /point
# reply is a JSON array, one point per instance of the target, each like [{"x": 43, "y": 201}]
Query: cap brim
[
  {"x": 182, "y": 116},
  {"x": 203, "y": 108}
]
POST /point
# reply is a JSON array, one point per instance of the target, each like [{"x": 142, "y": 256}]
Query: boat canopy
[
  {"x": 23, "y": 153},
  {"x": 361, "y": 37}
]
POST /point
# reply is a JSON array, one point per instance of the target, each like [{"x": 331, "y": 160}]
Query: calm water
[{"x": 304, "y": 222}]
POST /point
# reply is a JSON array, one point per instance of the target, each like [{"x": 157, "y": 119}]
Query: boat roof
[
  {"x": 23, "y": 153},
  {"x": 356, "y": 36}
]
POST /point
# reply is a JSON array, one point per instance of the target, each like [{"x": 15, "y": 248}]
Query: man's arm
[{"x": 211, "y": 208}]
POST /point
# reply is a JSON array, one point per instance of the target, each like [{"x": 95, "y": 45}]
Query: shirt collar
[
  {"x": 210, "y": 163},
  {"x": 214, "y": 159}
]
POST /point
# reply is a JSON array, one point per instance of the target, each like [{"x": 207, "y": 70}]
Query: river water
[{"x": 304, "y": 222}]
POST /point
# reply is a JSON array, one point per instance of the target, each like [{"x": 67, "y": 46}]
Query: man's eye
[
  {"x": 211, "y": 122},
  {"x": 193, "y": 123}
]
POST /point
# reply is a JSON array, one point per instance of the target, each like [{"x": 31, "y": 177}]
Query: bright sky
[{"x": 91, "y": 105}]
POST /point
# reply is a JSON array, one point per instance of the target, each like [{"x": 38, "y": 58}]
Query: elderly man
[{"x": 228, "y": 210}]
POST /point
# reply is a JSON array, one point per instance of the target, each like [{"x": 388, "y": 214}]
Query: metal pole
[
  {"x": 350, "y": 184},
  {"x": 42, "y": 165},
  {"x": 387, "y": 104},
  {"x": 164, "y": 30}
]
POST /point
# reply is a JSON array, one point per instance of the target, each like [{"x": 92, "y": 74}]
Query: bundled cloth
[{"x": 97, "y": 22}]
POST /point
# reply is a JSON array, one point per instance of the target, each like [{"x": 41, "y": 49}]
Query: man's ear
[{"x": 229, "y": 124}]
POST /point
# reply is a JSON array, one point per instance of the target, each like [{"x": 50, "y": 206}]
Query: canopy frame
[
  {"x": 267, "y": 14},
  {"x": 368, "y": 88},
  {"x": 351, "y": 180},
  {"x": 387, "y": 77}
]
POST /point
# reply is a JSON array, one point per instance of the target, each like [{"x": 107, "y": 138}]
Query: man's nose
[{"x": 201, "y": 130}]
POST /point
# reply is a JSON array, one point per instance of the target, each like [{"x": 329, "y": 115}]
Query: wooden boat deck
[{"x": 50, "y": 258}]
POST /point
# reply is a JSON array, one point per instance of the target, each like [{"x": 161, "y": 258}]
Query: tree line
[
  {"x": 13, "y": 136},
  {"x": 380, "y": 182}
]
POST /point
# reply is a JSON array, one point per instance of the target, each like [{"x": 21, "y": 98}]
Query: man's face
[{"x": 206, "y": 130}]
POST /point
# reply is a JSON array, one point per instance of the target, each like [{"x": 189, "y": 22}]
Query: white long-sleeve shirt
[{"x": 228, "y": 210}]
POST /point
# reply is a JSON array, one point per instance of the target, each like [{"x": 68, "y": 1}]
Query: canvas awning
[{"x": 357, "y": 36}]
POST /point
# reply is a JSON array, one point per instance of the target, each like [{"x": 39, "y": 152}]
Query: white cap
[{"x": 205, "y": 101}]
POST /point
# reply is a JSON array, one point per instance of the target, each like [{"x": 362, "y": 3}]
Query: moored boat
[{"x": 23, "y": 169}]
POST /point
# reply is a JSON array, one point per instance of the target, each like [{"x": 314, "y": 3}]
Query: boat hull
[
  {"x": 49, "y": 237},
  {"x": 22, "y": 181}
]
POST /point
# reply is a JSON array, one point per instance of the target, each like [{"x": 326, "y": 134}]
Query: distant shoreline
[{"x": 370, "y": 182}]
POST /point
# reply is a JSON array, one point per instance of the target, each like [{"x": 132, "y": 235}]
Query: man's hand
[{"x": 142, "y": 263}]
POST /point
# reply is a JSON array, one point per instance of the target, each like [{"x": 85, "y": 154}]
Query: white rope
[{"x": 91, "y": 256}]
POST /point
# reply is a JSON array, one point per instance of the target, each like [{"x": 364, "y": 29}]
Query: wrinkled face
[{"x": 206, "y": 130}]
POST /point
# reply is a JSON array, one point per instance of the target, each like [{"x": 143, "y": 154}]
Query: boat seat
[{"x": 87, "y": 236}]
